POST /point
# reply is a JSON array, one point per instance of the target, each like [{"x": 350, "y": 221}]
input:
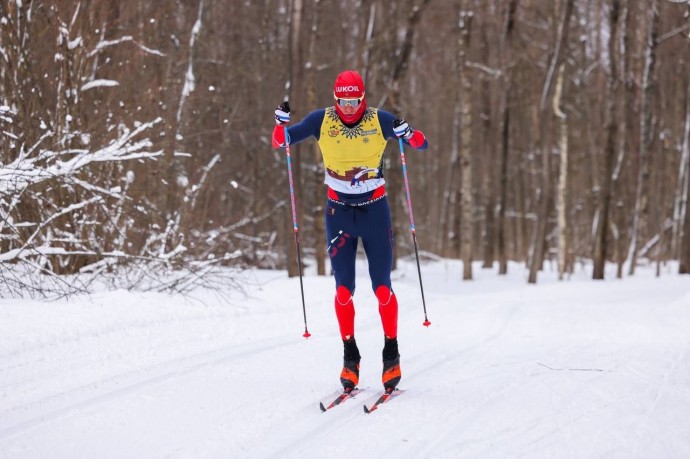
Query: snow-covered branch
[
  {"x": 99, "y": 84},
  {"x": 127, "y": 38},
  {"x": 26, "y": 170}
]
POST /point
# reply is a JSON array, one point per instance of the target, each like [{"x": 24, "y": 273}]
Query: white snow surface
[{"x": 573, "y": 369}]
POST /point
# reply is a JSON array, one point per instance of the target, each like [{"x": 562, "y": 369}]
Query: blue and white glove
[
  {"x": 401, "y": 128},
  {"x": 282, "y": 113}
]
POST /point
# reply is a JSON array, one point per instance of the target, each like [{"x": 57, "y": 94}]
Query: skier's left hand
[
  {"x": 401, "y": 128},
  {"x": 282, "y": 113}
]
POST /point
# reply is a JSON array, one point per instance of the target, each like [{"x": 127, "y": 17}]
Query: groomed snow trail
[{"x": 561, "y": 369}]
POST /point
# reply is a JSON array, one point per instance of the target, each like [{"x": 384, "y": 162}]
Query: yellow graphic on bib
[{"x": 352, "y": 156}]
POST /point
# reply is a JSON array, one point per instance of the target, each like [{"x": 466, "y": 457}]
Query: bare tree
[
  {"x": 316, "y": 165},
  {"x": 641, "y": 196},
  {"x": 562, "y": 195},
  {"x": 625, "y": 106},
  {"x": 198, "y": 81},
  {"x": 544, "y": 194},
  {"x": 296, "y": 72},
  {"x": 399, "y": 67},
  {"x": 506, "y": 101},
  {"x": 69, "y": 204},
  {"x": 467, "y": 221},
  {"x": 602, "y": 230},
  {"x": 450, "y": 222},
  {"x": 681, "y": 207},
  {"x": 684, "y": 267},
  {"x": 487, "y": 191}
]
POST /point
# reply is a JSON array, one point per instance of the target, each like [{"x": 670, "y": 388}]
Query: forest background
[{"x": 135, "y": 135}]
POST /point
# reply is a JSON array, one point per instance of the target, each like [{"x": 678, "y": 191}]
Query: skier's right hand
[{"x": 282, "y": 113}]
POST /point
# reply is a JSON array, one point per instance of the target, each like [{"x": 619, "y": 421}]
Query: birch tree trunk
[
  {"x": 602, "y": 230},
  {"x": 174, "y": 82},
  {"x": 641, "y": 199},
  {"x": 680, "y": 200},
  {"x": 625, "y": 104},
  {"x": 467, "y": 220},
  {"x": 562, "y": 196},
  {"x": 683, "y": 196},
  {"x": 487, "y": 191},
  {"x": 185, "y": 218},
  {"x": 684, "y": 267},
  {"x": 544, "y": 193},
  {"x": 662, "y": 222},
  {"x": 450, "y": 215}
]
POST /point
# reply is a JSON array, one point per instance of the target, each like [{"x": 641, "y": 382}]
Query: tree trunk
[
  {"x": 602, "y": 230},
  {"x": 626, "y": 106},
  {"x": 486, "y": 193},
  {"x": 661, "y": 220},
  {"x": 296, "y": 72},
  {"x": 680, "y": 200},
  {"x": 450, "y": 216},
  {"x": 467, "y": 220},
  {"x": 399, "y": 70},
  {"x": 641, "y": 198},
  {"x": 539, "y": 239},
  {"x": 507, "y": 47},
  {"x": 683, "y": 200},
  {"x": 562, "y": 197},
  {"x": 316, "y": 173},
  {"x": 684, "y": 267}
]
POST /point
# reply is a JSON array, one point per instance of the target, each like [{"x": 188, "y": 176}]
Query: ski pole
[
  {"x": 296, "y": 229},
  {"x": 414, "y": 235}
]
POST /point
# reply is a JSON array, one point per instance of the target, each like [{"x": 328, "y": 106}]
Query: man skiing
[{"x": 352, "y": 138}]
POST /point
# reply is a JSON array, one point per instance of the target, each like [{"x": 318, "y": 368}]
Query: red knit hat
[{"x": 349, "y": 85}]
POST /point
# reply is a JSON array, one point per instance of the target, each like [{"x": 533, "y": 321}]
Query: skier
[{"x": 352, "y": 138}]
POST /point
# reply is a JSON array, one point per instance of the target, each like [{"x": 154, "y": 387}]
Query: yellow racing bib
[{"x": 352, "y": 157}]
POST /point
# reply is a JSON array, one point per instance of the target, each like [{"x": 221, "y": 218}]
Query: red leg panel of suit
[
  {"x": 345, "y": 312},
  {"x": 388, "y": 309}
]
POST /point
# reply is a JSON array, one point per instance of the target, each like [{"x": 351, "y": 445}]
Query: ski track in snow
[
  {"x": 102, "y": 391},
  {"x": 561, "y": 369}
]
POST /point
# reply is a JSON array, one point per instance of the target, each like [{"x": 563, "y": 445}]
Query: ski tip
[
  {"x": 366, "y": 410},
  {"x": 323, "y": 408}
]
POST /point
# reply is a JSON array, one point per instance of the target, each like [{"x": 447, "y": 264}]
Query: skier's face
[
  {"x": 349, "y": 106},
  {"x": 349, "y": 110}
]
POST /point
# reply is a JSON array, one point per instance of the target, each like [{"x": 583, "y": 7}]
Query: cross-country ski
[{"x": 387, "y": 396}]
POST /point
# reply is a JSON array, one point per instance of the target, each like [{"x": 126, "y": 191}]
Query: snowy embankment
[{"x": 561, "y": 369}]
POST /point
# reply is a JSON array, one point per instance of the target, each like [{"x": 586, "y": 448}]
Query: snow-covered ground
[{"x": 574, "y": 369}]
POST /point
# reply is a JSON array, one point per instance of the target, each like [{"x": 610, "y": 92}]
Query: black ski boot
[
  {"x": 391, "y": 364},
  {"x": 349, "y": 377}
]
